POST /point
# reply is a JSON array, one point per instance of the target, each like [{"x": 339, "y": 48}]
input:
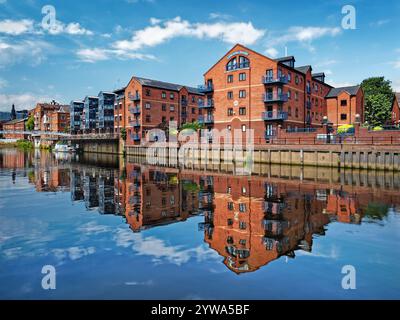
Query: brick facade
[
  {"x": 15, "y": 125},
  {"x": 396, "y": 109}
]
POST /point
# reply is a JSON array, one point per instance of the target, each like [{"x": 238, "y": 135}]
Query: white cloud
[
  {"x": 21, "y": 101},
  {"x": 99, "y": 54},
  {"x": 325, "y": 63},
  {"x": 73, "y": 28},
  {"x": 156, "y": 34},
  {"x": 221, "y": 16},
  {"x": 339, "y": 84},
  {"x": 16, "y": 27},
  {"x": 27, "y": 51},
  {"x": 396, "y": 64},
  {"x": 303, "y": 35},
  {"x": 271, "y": 52}
]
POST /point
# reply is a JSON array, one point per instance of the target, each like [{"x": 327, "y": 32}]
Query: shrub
[
  {"x": 377, "y": 128},
  {"x": 346, "y": 128}
]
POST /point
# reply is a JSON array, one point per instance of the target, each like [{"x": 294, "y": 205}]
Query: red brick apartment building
[
  {"x": 153, "y": 104},
  {"x": 44, "y": 117},
  {"x": 247, "y": 90},
  {"x": 15, "y": 125},
  {"x": 60, "y": 120},
  {"x": 343, "y": 104},
  {"x": 119, "y": 110},
  {"x": 396, "y": 108}
]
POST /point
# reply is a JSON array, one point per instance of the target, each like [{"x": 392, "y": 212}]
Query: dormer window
[{"x": 238, "y": 63}]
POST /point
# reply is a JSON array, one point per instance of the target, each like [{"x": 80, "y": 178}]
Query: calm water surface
[{"x": 116, "y": 229}]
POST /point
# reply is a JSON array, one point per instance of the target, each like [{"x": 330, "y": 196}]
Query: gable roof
[
  {"x": 288, "y": 58},
  {"x": 303, "y": 69},
  {"x": 166, "y": 85},
  {"x": 15, "y": 121},
  {"x": 336, "y": 91}
]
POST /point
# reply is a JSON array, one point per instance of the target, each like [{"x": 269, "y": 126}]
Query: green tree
[
  {"x": 123, "y": 134},
  {"x": 192, "y": 125},
  {"x": 378, "y": 109},
  {"x": 378, "y": 100},
  {"x": 30, "y": 124}
]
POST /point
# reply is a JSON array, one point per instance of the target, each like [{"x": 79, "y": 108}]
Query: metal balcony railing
[
  {"x": 206, "y": 119},
  {"x": 135, "y": 110},
  {"x": 275, "y": 115},
  {"x": 206, "y": 88},
  {"x": 274, "y": 97},
  {"x": 206, "y": 104},
  {"x": 275, "y": 80},
  {"x": 134, "y": 97}
]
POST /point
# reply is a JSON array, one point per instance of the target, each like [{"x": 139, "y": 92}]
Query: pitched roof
[
  {"x": 303, "y": 69},
  {"x": 16, "y": 121},
  {"x": 336, "y": 91},
  {"x": 318, "y": 74},
  {"x": 285, "y": 58},
  {"x": 166, "y": 85}
]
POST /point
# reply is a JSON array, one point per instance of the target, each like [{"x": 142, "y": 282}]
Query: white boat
[{"x": 60, "y": 147}]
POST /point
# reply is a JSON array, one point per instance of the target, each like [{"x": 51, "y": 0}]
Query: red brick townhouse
[
  {"x": 247, "y": 90},
  {"x": 396, "y": 108},
  {"x": 343, "y": 104},
  {"x": 153, "y": 104},
  {"x": 18, "y": 125}
]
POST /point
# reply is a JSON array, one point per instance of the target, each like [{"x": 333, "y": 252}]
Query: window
[
  {"x": 148, "y": 118},
  {"x": 343, "y": 103},
  {"x": 244, "y": 62},
  {"x": 289, "y": 111},
  {"x": 242, "y": 76},
  {"x": 296, "y": 96},
  {"x": 242, "y": 94},
  {"x": 164, "y": 119},
  {"x": 289, "y": 94},
  {"x": 297, "y": 112},
  {"x": 242, "y": 111},
  {"x": 147, "y": 105},
  {"x": 296, "y": 79},
  {"x": 229, "y": 127},
  {"x": 172, "y": 119},
  {"x": 193, "y": 110},
  {"x": 163, "y": 95},
  {"x": 193, "y": 99},
  {"x": 229, "y": 222},
  {"x": 171, "y": 108},
  {"x": 242, "y": 207},
  {"x": 343, "y": 116},
  {"x": 230, "y": 95},
  {"x": 243, "y": 128},
  {"x": 164, "y": 107},
  {"x": 230, "y": 111},
  {"x": 148, "y": 92},
  {"x": 230, "y": 206},
  {"x": 242, "y": 225},
  {"x": 242, "y": 242},
  {"x": 244, "y": 190},
  {"x": 289, "y": 77},
  {"x": 233, "y": 63},
  {"x": 172, "y": 96},
  {"x": 230, "y": 78}
]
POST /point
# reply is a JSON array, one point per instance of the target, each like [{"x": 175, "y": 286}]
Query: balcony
[
  {"x": 135, "y": 124},
  {"x": 270, "y": 134},
  {"x": 135, "y": 137},
  {"x": 206, "y": 119},
  {"x": 135, "y": 110},
  {"x": 208, "y": 88},
  {"x": 272, "y": 97},
  {"x": 308, "y": 104},
  {"x": 278, "y": 80},
  {"x": 134, "y": 97},
  {"x": 209, "y": 104},
  {"x": 184, "y": 103},
  {"x": 274, "y": 116}
]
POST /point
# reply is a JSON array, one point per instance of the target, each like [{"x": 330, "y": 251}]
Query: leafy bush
[
  {"x": 24, "y": 144},
  {"x": 377, "y": 128},
  {"x": 346, "y": 128},
  {"x": 123, "y": 134}
]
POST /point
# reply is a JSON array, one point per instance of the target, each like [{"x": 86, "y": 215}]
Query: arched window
[
  {"x": 243, "y": 62},
  {"x": 234, "y": 64}
]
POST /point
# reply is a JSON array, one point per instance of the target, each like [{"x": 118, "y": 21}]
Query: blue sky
[{"x": 99, "y": 45}]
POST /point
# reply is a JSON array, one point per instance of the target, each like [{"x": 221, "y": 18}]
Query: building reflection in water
[{"x": 248, "y": 221}]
